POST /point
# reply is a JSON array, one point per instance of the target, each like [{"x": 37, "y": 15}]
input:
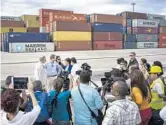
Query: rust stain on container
[
  {"x": 73, "y": 45},
  {"x": 107, "y": 36},
  {"x": 107, "y": 45},
  {"x": 71, "y": 26},
  {"x": 7, "y": 23},
  {"x": 101, "y": 18}
]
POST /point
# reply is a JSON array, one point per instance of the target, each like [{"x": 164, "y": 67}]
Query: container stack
[
  {"x": 162, "y": 34},
  {"x": 26, "y": 42},
  {"x": 11, "y": 24},
  {"x": 44, "y": 17},
  {"x": 72, "y": 35},
  {"x": 107, "y": 31},
  {"x": 31, "y": 22}
]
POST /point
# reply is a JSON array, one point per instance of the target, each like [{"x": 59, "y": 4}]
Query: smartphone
[{"x": 20, "y": 83}]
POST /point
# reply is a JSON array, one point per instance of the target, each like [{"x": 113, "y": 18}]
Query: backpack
[{"x": 42, "y": 99}]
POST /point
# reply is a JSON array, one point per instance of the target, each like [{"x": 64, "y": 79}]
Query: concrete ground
[{"x": 22, "y": 64}]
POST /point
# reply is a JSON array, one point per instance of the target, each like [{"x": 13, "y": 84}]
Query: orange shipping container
[
  {"x": 102, "y": 18},
  {"x": 44, "y": 13},
  {"x": 67, "y": 17}
]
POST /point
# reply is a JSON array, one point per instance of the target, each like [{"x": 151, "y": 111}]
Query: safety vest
[{"x": 156, "y": 102}]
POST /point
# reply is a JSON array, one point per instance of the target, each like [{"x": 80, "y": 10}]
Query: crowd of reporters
[{"x": 136, "y": 95}]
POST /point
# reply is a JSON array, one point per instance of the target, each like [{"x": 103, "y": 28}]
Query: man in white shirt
[
  {"x": 40, "y": 72},
  {"x": 75, "y": 68}
]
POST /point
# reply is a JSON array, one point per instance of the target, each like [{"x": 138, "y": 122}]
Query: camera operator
[
  {"x": 10, "y": 103},
  {"x": 91, "y": 97},
  {"x": 119, "y": 60}
]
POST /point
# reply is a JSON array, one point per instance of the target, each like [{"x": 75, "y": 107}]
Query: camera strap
[{"x": 92, "y": 113}]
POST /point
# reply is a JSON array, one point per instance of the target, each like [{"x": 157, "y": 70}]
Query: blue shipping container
[
  {"x": 130, "y": 38},
  {"x": 130, "y": 45},
  {"x": 28, "y": 37},
  {"x": 107, "y": 27}
]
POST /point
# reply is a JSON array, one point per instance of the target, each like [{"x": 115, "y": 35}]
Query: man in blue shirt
[
  {"x": 92, "y": 98},
  {"x": 52, "y": 71}
]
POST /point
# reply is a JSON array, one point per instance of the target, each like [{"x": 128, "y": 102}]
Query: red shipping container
[
  {"x": 162, "y": 37},
  {"x": 163, "y": 29},
  {"x": 73, "y": 45},
  {"x": 47, "y": 28},
  {"x": 162, "y": 44},
  {"x": 43, "y": 21},
  {"x": 44, "y": 13},
  {"x": 145, "y": 30},
  {"x": 33, "y": 29},
  {"x": 51, "y": 26},
  {"x": 107, "y": 45},
  {"x": 107, "y": 36},
  {"x": 7, "y": 23},
  {"x": 67, "y": 17}
]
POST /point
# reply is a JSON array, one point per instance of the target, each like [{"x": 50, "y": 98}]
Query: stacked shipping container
[
  {"x": 162, "y": 34},
  {"x": 107, "y": 31},
  {"x": 26, "y": 42}
]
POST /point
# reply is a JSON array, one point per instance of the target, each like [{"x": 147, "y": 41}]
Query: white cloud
[{"x": 20, "y": 7}]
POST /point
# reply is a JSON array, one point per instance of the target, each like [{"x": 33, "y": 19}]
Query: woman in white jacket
[{"x": 40, "y": 73}]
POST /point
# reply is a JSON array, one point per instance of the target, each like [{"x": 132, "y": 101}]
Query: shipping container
[
  {"x": 88, "y": 18},
  {"x": 33, "y": 18},
  {"x": 146, "y": 45},
  {"x": 146, "y": 38},
  {"x": 51, "y": 26},
  {"x": 45, "y": 12},
  {"x": 102, "y": 18},
  {"x": 107, "y": 27},
  {"x": 12, "y": 29},
  {"x": 10, "y": 18},
  {"x": 134, "y": 15},
  {"x": 42, "y": 29},
  {"x": 32, "y": 24},
  {"x": 43, "y": 21},
  {"x": 162, "y": 23},
  {"x": 162, "y": 37},
  {"x": 144, "y": 30},
  {"x": 7, "y": 23},
  {"x": 28, "y": 37},
  {"x": 67, "y": 17},
  {"x": 47, "y": 28},
  {"x": 25, "y": 47},
  {"x": 162, "y": 29},
  {"x": 129, "y": 45},
  {"x": 144, "y": 23},
  {"x": 71, "y": 26},
  {"x": 162, "y": 44},
  {"x": 155, "y": 17},
  {"x": 107, "y": 36},
  {"x": 107, "y": 45},
  {"x": 33, "y": 29},
  {"x": 71, "y": 36},
  {"x": 129, "y": 30},
  {"x": 73, "y": 45},
  {"x": 130, "y": 38}
]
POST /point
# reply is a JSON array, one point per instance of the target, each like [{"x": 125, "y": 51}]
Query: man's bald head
[{"x": 122, "y": 87}]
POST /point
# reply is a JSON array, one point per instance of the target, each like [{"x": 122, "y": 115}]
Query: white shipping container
[
  {"x": 146, "y": 45},
  {"x": 43, "y": 29},
  {"x": 31, "y": 47},
  {"x": 144, "y": 23},
  {"x": 10, "y": 18}
]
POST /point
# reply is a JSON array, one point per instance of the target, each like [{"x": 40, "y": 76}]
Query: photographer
[
  {"x": 42, "y": 99},
  {"x": 91, "y": 96},
  {"x": 58, "y": 103},
  {"x": 10, "y": 103}
]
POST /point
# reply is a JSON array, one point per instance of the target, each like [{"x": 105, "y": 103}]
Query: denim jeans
[{"x": 60, "y": 122}]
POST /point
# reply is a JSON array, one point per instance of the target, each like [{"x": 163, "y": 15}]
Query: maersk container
[
  {"x": 146, "y": 45},
  {"x": 28, "y": 37},
  {"x": 146, "y": 38},
  {"x": 144, "y": 23},
  {"x": 130, "y": 45},
  {"x": 107, "y": 27}
]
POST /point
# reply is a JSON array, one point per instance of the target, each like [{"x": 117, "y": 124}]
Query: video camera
[{"x": 85, "y": 66}]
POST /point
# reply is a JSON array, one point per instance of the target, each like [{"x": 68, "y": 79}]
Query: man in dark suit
[{"x": 133, "y": 61}]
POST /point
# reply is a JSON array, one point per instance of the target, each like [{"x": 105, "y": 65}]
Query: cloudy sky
[{"x": 20, "y": 7}]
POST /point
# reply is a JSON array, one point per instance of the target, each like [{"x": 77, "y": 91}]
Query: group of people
[{"x": 48, "y": 103}]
